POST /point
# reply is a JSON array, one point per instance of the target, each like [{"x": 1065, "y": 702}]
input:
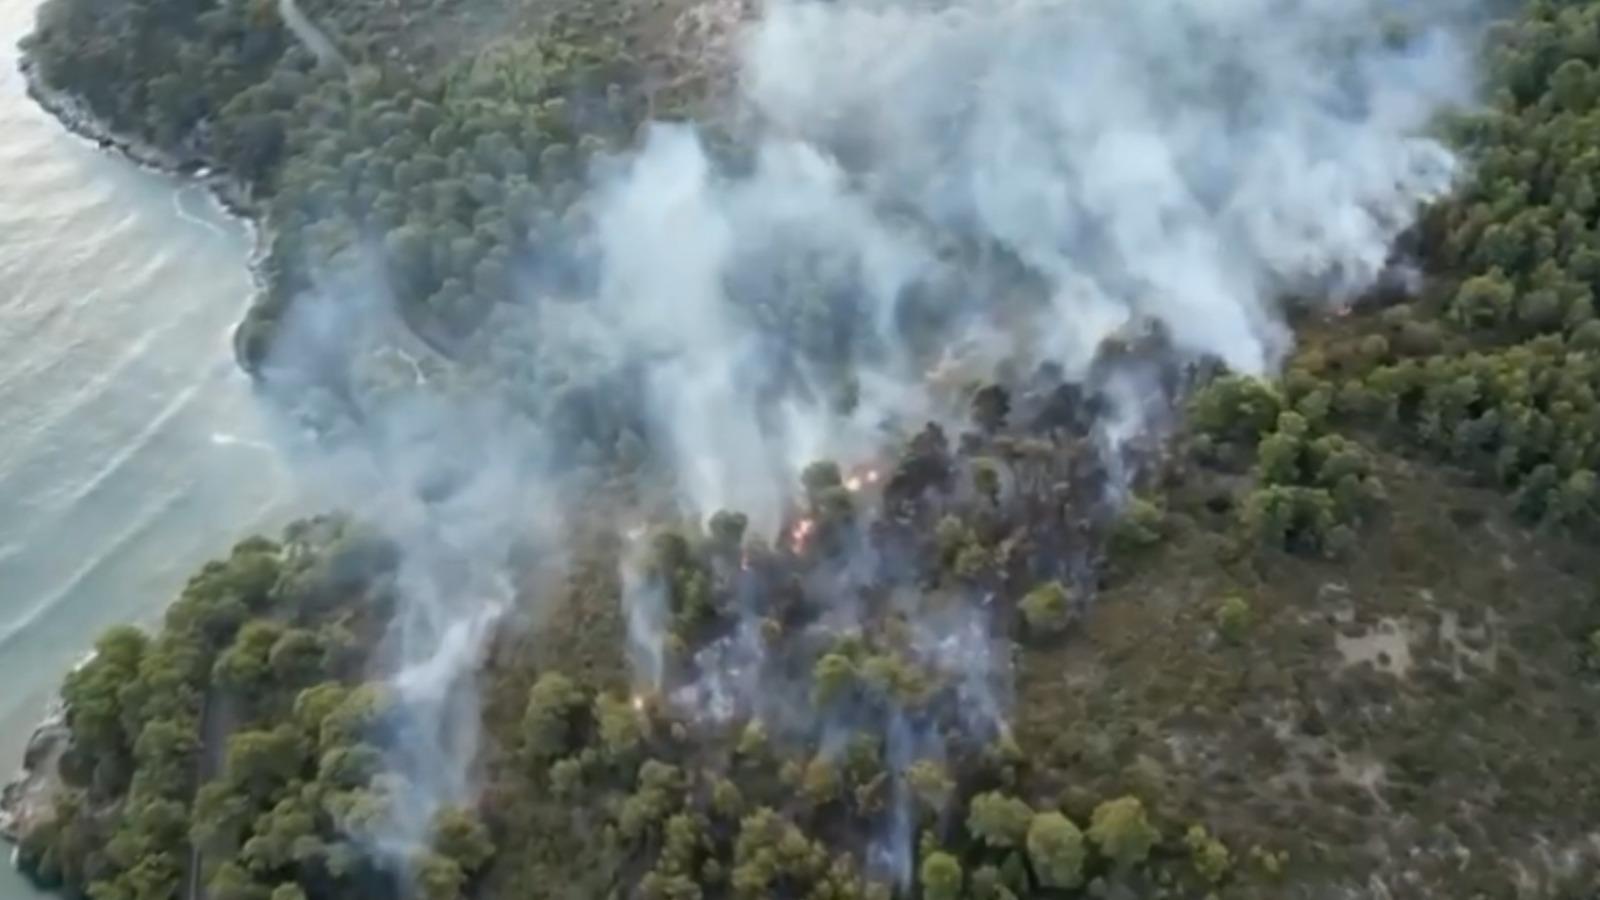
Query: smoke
[
  {"x": 1181, "y": 162},
  {"x": 688, "y": 263},
  {"x": 966, "y": 187},
  {"x": 460, "y": 485},
  {"x": 928, "y": 193}
]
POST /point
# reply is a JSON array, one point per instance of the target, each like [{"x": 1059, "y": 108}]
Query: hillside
[{"x": 1131, "y": 625}]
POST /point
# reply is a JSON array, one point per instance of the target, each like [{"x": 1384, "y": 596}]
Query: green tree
[
  {"x": 439, "y": 877},
  {"x": 989, "y": 884},
  {"x": 986, "y": 478},
  {"x": 259, "y": 762},
  {"x": 93, "y": 692},
  {"x": 232, "y": 882},
  {"x": 931, "y": 784},
  {"x": 820, "y": 477},
  {"x": 999, "y": 820},
  {"x": 941, "y": 877},
  {"x": 460, "y": 836},
  {"x": 1484, "y": 301},
  {"x": 548, "y": 723},
  {"x": 1236, "y": 407},
  {"x": 831, "y": 678},
  {"x": 243, "y": 667},
  {"x": 990, "y": 406},
  {"x": 1289, "y": 517},
  {"x": 1140, "y": 525},
  {"x": 1055, "y": 846},
  {"x": 1122, "y": 831},
  {"x": 297, "y": 657},
  {"x": 621, "y": 733},
  {"x": 821, "y": 784}
]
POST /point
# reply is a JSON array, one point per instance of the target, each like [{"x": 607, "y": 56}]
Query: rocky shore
[{"x": 28, "y": 799}]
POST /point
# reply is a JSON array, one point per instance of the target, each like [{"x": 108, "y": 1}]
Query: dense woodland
[{"x": 1344, "y": 638}]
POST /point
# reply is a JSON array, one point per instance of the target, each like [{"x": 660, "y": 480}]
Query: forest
[{"x": 1335, "y": 633}]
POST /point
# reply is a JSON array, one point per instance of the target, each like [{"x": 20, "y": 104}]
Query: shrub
[
  {"x": 1233, "y": 618},
  {"x": 1140, "y": 525},
  {"x": 1047, "y": 609},
  {"x": 1210, "y": 856}
]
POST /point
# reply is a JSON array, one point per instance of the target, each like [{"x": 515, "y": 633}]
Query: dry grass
[{"x": 1419, "y": 714}]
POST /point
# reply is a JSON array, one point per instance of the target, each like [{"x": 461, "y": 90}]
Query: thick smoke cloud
[
  {"x": 1185, "y": 162},
  {"x": 1052, "y": 174},
  {"x": 684, "y": 257},
  {"x": 936, "y": 191}
]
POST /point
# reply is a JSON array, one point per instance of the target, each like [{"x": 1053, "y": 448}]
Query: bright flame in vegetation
[
  {"x": 861, "y": 479},
  {"x": 800, "y": 532}
]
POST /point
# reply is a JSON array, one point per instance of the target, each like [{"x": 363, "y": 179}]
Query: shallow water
[{"x": 131, "y": 447}]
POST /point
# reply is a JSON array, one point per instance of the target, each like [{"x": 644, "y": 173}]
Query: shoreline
[
  {"x": 228, "y": 192},
  {"x": 27, "y": 796}
]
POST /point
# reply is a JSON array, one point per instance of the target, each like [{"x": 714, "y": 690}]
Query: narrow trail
[
  {"x": 309, "y": 34},
  {"x": 217, "y": 721}
]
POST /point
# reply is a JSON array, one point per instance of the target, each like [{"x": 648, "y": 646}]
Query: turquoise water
[{"x": 131, "y": 448}]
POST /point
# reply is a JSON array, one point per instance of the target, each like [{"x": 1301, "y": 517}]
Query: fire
[
  {"x": 638, "y": 703},
  {"x": 800, "y": 532},
  {"x": 859, "y": 480}
]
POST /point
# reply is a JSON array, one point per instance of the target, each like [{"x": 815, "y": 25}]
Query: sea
[{"x": 132, "y": 448}]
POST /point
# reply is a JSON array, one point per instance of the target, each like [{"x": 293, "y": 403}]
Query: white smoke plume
[
  {"x": 1190, "y": 162},
  {"x": 459, "y": 485},
  {"x": 1052, "y": 173},
  {"x": 937, "y": 189}
]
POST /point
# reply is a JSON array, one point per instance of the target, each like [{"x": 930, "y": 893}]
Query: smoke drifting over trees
[
  {"x": 992, "y": 184},
  {"x": 986, "y": 189},
  {"x": 831, "y": 402}
]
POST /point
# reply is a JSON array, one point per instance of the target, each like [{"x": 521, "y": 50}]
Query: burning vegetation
[{"x": 800, "y": 509}]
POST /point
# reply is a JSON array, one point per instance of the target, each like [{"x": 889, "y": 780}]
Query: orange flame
[{"x": 800, "y": 532}]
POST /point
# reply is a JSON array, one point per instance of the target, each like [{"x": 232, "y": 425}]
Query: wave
[
  {"x": 185, "y": 215},
  {"x": 224, "y": 439},
  {"x": 67, "y": 409},
  {"x": 140, "y": 440},
  {"x": 107, "y": 552}
]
